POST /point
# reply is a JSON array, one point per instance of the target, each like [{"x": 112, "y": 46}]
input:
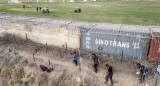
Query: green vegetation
[
  {"x": 59, "y": 1},
  {"x": 23, "y": 0},
  {"x": 126, "y": 12}
]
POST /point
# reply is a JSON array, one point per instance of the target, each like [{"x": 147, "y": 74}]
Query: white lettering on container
[
  {"x": 119, "y": 44},
  {"x": 88, "y": 40},
  {"x": 106, "y": 42},
  {"x": 113, "y": 43},
  {"x": 136, "y": 45}
]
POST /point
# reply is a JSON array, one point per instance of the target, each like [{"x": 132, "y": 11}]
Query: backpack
[{"x": 145, "y": 70}]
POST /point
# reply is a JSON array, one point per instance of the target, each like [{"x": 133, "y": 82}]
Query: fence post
[
  {"x": 122, "y": 56},
  {"x": 46, "y": 47},
  {"x": 33, "y": 57},
  {"x": 79, "y": 60},
  {"x": 156, "y": 75},
  {"x": 66, "y": 44},
  {"x": 80, "y": 50},
  {"x": 49, "y": 62},
  {"x": 26, "y": 38},
  {"x": 156, "y": 79}
]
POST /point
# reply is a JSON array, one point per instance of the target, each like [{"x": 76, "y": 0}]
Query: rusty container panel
[
  {"x": 128, "y": 44},
  {"x": 154, "y": 53}
]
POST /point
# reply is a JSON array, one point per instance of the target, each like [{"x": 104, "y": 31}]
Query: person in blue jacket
[
  {"x": 75, "y": 58},
  {"x": 37, "y": 9},
  {"x": 143, "y": 70}
]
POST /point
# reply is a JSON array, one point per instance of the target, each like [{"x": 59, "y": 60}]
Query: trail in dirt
[
  {"x": 70, "y": 67},
  {"x": 67, "y": 64},
  {"x": 61, "y": 60},
  {"x": 85, "y": 71}
]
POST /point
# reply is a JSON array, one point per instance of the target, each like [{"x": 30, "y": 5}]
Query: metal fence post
[
  {"x": 26, "y": 37},
  {"x": 122, "y": 56},
  {"x": 156, "y": 79},
  {"x": 156, "y": 75},
  {"x": 46, "y": 47}
]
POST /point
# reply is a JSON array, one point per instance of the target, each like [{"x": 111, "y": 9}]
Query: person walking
[
  {"x": 24, "y": 6},
  {"x": 143, "y": 70},
  {"x": 27, "y": 5},
  {"x": 75, "y": 58},
  {"x": 40, "y": 9},
  {"x": 109, "y": 74},
  {"x": 37, "y": 9},
  {"x": 95, "y": 62}
]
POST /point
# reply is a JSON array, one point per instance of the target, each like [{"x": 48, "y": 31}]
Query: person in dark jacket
[
  {"x": 143, "y": 70},
  {"x": 40, "y": 9},
  {"x": 95, "y": 62},
  {"x": 109, "y": 74}
]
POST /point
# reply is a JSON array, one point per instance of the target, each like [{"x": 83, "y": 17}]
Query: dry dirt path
[
  {"x": 121, "y": 77},
  {"x": 128, "y": 80},
  {"x": 59, "y": 64}
]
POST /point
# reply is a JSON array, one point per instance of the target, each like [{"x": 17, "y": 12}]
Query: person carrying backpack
[{"x": 143, "y": 70}]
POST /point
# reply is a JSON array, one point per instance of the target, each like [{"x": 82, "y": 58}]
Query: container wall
[
  {"x": 61, "y": 37},
  {"x": 154, "y": 53},
  {"x": 116, "y": 43}
]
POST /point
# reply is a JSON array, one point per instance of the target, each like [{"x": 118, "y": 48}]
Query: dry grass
[{"x": 65, "y": 73}]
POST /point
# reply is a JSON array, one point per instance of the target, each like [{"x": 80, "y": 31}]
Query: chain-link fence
[{"x": 129, "y": 40}]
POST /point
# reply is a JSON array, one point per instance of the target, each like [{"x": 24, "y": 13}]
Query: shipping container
[
  {"x": 154, "y": 53},
  {"x": 122, "y": 43}
]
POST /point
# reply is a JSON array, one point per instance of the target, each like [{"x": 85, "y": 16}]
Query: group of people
[
  {"x": 28, "y": 6},
  {"x": 39, "y": 9},
  {"x": 95, "y": 59},
  {"x": 95, "y": 65},
  {"x": 45, "y": 9}
]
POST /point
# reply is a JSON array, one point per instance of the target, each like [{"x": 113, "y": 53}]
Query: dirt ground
[{"x": 20, "y": 60}]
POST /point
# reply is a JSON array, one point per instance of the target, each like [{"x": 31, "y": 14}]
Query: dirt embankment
[{"x": 20, "y": 60}]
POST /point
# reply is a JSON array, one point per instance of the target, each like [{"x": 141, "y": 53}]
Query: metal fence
[{"x": 118, "y": 39}]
